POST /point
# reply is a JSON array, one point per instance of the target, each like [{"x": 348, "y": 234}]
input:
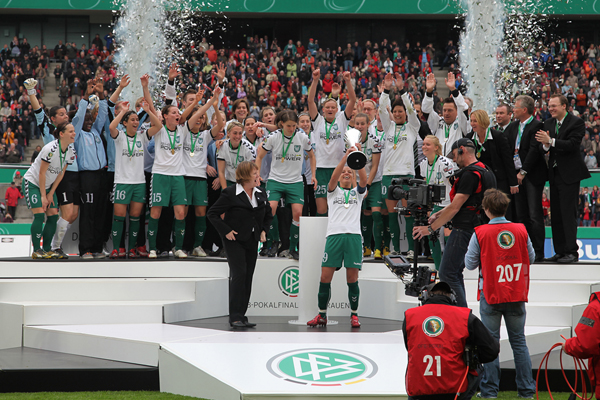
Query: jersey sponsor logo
[
  {"x": 240, "y": 158},
  {"x": 322, "y": 367},
  {"x": 506, "y": 240},
  {"x": 138, "y": 144},
  {"x": 200, "y": 140},
  {"x": 433, "y": 326},
  {"x": 369, "y": 152},
  {"x": 297, "y": 148}
]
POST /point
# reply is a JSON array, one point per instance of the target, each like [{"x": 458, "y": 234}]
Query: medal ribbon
[
  {"x": 193, "y": 147},
  {"x": 447, "y": 130},
  {"x": 237, "y": 155},
  {"x": 284, "y": 151},
  {"x": 61, "y": 155},
  {"x": 172, "y": 142},
  {"x": 346, "y": 196},
  {"x": 397, "y": 131},
  {"x": 328, "y": 130},
  {"x": 130, "y": 150},
  {"x": 430, "y": 173}
]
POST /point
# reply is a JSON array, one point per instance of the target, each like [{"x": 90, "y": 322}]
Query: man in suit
[
  {"x": 247, "y": 220},
  {"x": 531, "y": 171},
  {"x": 560, "y": 139},
  {"x": 504, "y": 115}
]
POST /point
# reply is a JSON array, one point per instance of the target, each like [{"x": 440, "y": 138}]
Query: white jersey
[
  {"x": 129, "y": 168},
  {"x": 447, "y": 134},
  {"x": 307, "y": 172},
  {"x": 232, "y": 157},
  {"x": 342, "y": 219},
  {"x": 371, "y": 146},
  {"x": 439, "y": 174},
  {"x": 329, "y": 154},
  {"x": 265, "y": 168},
  {"x": 51, "y": 154},
  {"x": 169, "y": 161},
  {"x": 290, "y": 170},
  {"x": 195, "y": 165},
  {"x": 398, "y": 143}
]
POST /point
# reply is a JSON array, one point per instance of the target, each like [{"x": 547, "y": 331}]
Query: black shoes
[
  {"x": 242, "y": 324},
  {"x": 554, "y": 258},
  {"x": 273, "y": 250},
  {"x": 568, "y": 259}
]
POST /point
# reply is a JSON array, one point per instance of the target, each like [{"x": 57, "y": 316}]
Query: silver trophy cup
[{"x": 357, "y": 159}]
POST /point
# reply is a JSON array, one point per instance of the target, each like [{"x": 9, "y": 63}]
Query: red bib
[
  {"x": 504, "y": 262},
  {"x": 436, "y": 336}
]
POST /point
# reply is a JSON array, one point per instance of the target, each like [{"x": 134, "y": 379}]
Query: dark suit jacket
[
  {"x": 566, "y": 153},
  {"x": 533, "y": 161},
  {"x": 497, "y": 156},
  {"x": 240, "y": 216}
]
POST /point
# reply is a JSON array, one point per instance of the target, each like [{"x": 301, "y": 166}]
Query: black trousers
[
  {"x": 563, "y": 206},
  {"x": 505, "y": 187},
  {"x": 92, "y": 211},
  {"x": 12, "y": 210},
  {"x": 528, "y": 203},
  {"x": 241, "y": 257}
]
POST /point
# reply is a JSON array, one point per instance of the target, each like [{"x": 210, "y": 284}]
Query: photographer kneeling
[
  {"x": 466, "y": 197},
  {"x": 446, "y": 345}
]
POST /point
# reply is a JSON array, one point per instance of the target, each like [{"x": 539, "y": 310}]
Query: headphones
[{"x": 425, "y": 295}]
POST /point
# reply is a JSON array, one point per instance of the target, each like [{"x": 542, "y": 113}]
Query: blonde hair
[
  {"x": 481, "y": 117},
  {"x": 244, "y": 171},
  {"x": 436, "y": 142}
]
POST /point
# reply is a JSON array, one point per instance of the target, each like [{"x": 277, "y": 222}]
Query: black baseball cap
[
  {"x": 463, "y": 142},
  {"x": 439, "y": 286}
]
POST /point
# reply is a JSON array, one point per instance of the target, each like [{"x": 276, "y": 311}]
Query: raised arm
[
  {"x": 114, "y": 132},
  {"x": 351, "y": 95},
  {"x": 218, "y": 128},
  {"x": 30, "y": 85},
  {"x": 114, "y": 98},
  {"x": 337, "y": 172},
  {"x": 312, "y": 106},
  {"x": 384, "y": 102},
  {"x": 155, "y": 122},
  {"x": 145, "y": 79},
  {"x": 170, "y": 92},
  {"x": 427, "y": 106}
]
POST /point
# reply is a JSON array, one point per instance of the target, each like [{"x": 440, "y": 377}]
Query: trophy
[{"x": 357, "y": 159}]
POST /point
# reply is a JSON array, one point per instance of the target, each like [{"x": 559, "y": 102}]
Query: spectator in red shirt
[
  {"x": 12, "y": 199},
  {"x": 328, "y": 83},
  {"x": 211, "y": 53}
]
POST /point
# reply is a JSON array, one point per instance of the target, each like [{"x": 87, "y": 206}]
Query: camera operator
[
  {"x": 463, "y": 211},
  {"x": 503, "y": 252},
  {"x": 444, "y": 343},
  {"x": 587, "y": 342}
]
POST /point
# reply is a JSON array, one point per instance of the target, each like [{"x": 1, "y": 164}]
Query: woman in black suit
[
  {"x": 247, "y": 220},
  {"x": 493, "y": 150}
]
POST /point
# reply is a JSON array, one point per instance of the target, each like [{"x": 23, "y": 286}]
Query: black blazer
[
  {"x": 566, "y": 153},
  {"x": 240, "y": 216},
  {"x": 533, "y": 161},
  {"x": 497, "y": 156}
]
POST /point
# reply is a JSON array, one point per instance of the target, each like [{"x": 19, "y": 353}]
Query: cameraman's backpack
[{"x": 487, "y": 180}]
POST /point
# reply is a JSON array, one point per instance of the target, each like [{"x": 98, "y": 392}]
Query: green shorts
[
  {"x": 126, "y": 193},
  {"x": 167, "y": 190},
  {"x": 293, "y": 192},
  {"x": 34, "y": 196},
  {"x": 373, "y": 198},
  {"x": 323, "y": 177},
  {"x": 386, "y": 181},
  {"x": 344, "y": 247},
  {"x": 196, "y": 191}
]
